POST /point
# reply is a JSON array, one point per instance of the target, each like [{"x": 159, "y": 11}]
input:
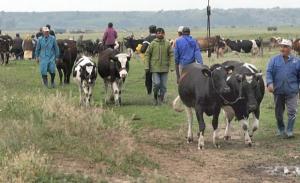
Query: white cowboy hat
[
  {"x": 180, "y": 28},
  {"x": 286, "y": 42},
  {"x": 46, "y": 29}
]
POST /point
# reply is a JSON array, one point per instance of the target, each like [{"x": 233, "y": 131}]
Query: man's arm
[
  {"x": 269, "y": 75},
  {"x": 176, "y": 53},
  {"x": 104, "y": 37},
  {"x": 171, "y": 58},
  {"x": 148, "y": 55},
  {"x": 197, "y": 53},
  {"x": 38, "y": 49},
  {"x": 56, "y": 48}
]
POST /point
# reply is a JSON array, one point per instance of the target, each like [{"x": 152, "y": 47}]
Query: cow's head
[
  {"x": 122, "y": 63},
  {"x": 88, "y": 73},
  {"x": 250, "y": 88},
  {"x": 218, "y": 75}
]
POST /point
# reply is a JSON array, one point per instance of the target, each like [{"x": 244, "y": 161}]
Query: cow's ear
[
  {"x": 239, "y": 77},
  {"x": 206, "y": 72},
  {"x": 229, "y": 69}
]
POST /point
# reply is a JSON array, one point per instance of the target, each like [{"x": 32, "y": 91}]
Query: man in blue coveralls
[
  {"x": 46, "y": 53},
  {"x": 283, "y": 79}
]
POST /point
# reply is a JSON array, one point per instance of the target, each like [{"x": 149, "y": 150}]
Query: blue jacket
[
  {"x": 187, "y": 51},
  {"x": 285, "y": 77},
  {"x": 47, "y": 49}
]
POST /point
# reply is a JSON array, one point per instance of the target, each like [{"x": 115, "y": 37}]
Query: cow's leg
[
  {"x": 228, "y": 115},
  {"x": 60, "y": 75},
  {"x": 245, "y": 126},
  {"x": 6, "y": 57},
  {"x": 215, "y": 123},
  {"x": 65, "y": 75},
  {"x": 255, "y": 124},
  {"x": 189, "y": 114},
  {"x": 2, "y": 58},
  {"x": 115, "y": 88},
  {"x": 120, "y": 85},
  {"x": 201, "y": 123},
  {"x": 80, "y": 94}
]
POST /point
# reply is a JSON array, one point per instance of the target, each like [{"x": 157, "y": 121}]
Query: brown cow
[
  {"x": 214, "y": 44},
  {"x": 296, "y": 46}
]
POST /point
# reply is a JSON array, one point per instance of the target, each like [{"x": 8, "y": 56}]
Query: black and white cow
[
  {"x": 113, "y": 67},
  {"x": 245, "y": 46},
  {"x": 248, "y": 90},
  {"x": 85, "y": 75},
  {"x": 201, "y": 88}
]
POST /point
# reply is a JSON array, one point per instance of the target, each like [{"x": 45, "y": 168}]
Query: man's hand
[{"x": 271, "y": 88}]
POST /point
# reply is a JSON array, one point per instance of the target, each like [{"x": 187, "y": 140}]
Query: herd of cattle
[{"x": 235, "y": 87}]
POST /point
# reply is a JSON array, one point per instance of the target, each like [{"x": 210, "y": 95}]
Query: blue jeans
[
  {"x": 291, "y": 102},
  {"x": 159, "y": 82}
]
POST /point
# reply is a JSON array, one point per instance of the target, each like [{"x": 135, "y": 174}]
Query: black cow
[
  {"x": 248, "y": 90},
  {"x": 113, "y": 67},
  {"x": 132, "y": 43},
  {"x": 245, "y": 46},
  {"x": 67, "y": 57},
  {"x": 202, "y": 88},
  {"x": 5, "y": 46}
]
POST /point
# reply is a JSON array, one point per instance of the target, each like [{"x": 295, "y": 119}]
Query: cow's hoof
[
  {"x": 189, "y": 140},
  {"x": 218, "y": 146},
  {"x": 227, "y": 138},
  {"x": 249, "y": 144},
  {"x": 201, "y": 147}
]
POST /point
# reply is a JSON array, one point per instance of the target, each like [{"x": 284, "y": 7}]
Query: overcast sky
[{"x": 140, "y": 5}]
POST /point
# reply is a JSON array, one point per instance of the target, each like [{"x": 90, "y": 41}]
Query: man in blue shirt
[
  {"x": 186, "y": 51},
  {"x": 47, "y": 52},
  {"x": 283, "y": 78}
]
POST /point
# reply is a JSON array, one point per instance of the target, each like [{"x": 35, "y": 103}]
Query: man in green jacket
[{"x": 159, "y": 59}]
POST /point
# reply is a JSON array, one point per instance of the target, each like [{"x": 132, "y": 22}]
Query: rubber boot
[
  {"x": 155, "y": 101},
  {"x": 45, "y": 80},
  {"x": 52, "y": 80}
]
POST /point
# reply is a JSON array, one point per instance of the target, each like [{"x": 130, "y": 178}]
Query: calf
[
  {"x": 248, "y": 89},
  {"x": 67, "y": 57},
  {"x": 202, "y": 88},
  {"x": 113, "y": 68},
  {"x": 85, "y": 75},
  {"x": 246, "y": 46}
]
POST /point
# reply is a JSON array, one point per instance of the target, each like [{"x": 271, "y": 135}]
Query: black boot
[
  {"x": 45, "y": 80},
  {"x": 52, "y": 80}
]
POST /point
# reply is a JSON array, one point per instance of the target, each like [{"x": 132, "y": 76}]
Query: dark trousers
[
  {"x": 148, "y": 82},
  {"x": 291, "y": 102}
]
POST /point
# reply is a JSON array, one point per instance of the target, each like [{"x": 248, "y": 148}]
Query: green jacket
[{"x": 159, "y": 56}]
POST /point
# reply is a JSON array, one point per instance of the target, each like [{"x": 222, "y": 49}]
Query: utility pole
[{"x": 208, "y": 28}]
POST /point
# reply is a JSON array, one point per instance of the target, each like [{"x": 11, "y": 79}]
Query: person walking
[
  {"x": 27, "y": 47},
  {"x": 159, "y": 59},
  {"x": 283, "y": 78},
  {"x": 186, "y": 51},
  {"x": 17, "y": 47},
  {"x": 146, "y": 43},
  {"x": 110, "y": 36},
  {"x": 47, "y": 52}
]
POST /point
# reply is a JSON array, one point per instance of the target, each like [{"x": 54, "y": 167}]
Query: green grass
[{"x": 49, "y": 119}]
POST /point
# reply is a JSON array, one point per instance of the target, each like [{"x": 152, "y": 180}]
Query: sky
[{"x": 139, "y": 5}]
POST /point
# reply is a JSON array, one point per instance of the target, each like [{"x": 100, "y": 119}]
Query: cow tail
[{"x": 176, "y": 106}]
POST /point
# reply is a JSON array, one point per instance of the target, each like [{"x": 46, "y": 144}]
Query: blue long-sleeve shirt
[
  {"x": 47, "y": 49},
  {"x": 285, "y": 76},
  {"x": 187, "y": 51}
]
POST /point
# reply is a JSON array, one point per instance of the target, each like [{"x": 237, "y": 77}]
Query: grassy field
[{"x": 45, "y": 136}]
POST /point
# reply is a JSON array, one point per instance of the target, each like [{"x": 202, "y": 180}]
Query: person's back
[
  {"x": 110, "y": 36},
  {"x": 187, "y": 50},
  {"x": 18, "y": 42}
]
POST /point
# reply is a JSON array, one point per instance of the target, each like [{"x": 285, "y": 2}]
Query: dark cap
[
  {"x": 186, "y": 30},
  {"x": 152, "y": 29}
]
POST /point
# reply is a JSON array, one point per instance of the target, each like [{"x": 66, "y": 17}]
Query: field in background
[
  {"x": 47, "y": 137},
  {"x": 232, "y": 33}
]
